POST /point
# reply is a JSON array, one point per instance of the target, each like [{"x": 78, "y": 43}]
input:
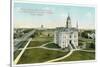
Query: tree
[
  {"x": 92, "y": 45},
  {"x": 84, "y": 34}
]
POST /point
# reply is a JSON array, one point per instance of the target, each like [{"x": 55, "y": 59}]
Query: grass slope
[
  {"x": 38, "y": 55},
  {"x": 79, "y": 56}
]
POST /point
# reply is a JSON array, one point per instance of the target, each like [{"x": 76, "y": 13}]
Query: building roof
[{"x": 64, "y": 29}]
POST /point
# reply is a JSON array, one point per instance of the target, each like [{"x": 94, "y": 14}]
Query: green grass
[
  {"x": 38, "y": 41},
  {"x": 79, "y": 56},
  {"x": 41, "y": 38},
  {"x": 88, "y": 48},
  {"x": 88, "y": 42},
  {"x": 16, "y": 53},
  {"x": 38, "y": 55},
  {"x": 52, "y": 45}
]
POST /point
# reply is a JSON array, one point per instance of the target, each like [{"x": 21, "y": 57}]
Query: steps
[{"x": 72, "y": 46}]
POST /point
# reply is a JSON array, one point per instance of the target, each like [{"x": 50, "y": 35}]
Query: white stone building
[{"x": 66, "y": 37}]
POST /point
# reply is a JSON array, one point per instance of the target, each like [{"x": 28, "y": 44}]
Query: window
[
  {"x": 70, "y": 36},
  {"x": 74, "y": 35}
]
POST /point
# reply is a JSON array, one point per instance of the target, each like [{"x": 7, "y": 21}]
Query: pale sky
[{"x": 29, "y": 15}]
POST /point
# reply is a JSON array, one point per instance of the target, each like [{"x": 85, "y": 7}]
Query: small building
[
  {"x": 91, "y": 35},
  {"x": 66, "y": 37}
]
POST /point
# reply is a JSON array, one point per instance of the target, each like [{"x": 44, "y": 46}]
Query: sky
[{"x": 31, "y": 15}]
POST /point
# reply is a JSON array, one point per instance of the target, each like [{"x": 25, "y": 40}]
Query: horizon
[
  {"x": 53, "y": 28},
  {"x": 28, "y": 15}
]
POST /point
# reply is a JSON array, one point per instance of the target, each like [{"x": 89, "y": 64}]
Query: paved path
[
  {"x": 36, "y": 46},
  {"x": 57, "y": 59},
  {"x": 53, "y": 49},
  {"x": 28, "y": 48},
  {"x": 44, "y": 48},
  {"x": 18, "y": 57},
  {"x": 86, "y": 50},
  {"x": 23, "y": 38},
  {"x": 45, "y": 44},
  {"x": 60, "y": 57}
]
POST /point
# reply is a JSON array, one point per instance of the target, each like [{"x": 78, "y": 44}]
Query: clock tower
[{"x": 68, "y": 22}]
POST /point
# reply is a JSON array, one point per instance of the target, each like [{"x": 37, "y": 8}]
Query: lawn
[
  {"x": 16, "y": 53},
  {"x": 52, "y": 45},
  {"x": 90, "y": 43},
  {"x": 38, "y": 41},
  {"x": 38, "y": 55},
  {"x": 79, "y": 56},
  {"x": 41, "y": 37},
  {"x": 86, "y": 40}
]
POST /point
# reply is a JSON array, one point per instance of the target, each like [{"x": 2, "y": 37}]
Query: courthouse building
[{"x": 67, "y": 37}]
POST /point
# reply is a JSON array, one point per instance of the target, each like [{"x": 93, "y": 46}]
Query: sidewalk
[{"x": 18, "y": 57}]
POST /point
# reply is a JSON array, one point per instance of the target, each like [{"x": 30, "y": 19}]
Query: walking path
[
  {"x": 44, "y": 48},
  {"x": 18, "y": 57},
  {"x": 88, "y": 50},
  {"x": 53, "y": 49},
  {"x": 57, "y": 59},
  {"x": 28, "y": 48},
  {"x": 36, "y": 46},
  {"x": 60, "y": 57},
  {"x": 45, "y": 44},
  {"x": 63, "y": 56}
]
